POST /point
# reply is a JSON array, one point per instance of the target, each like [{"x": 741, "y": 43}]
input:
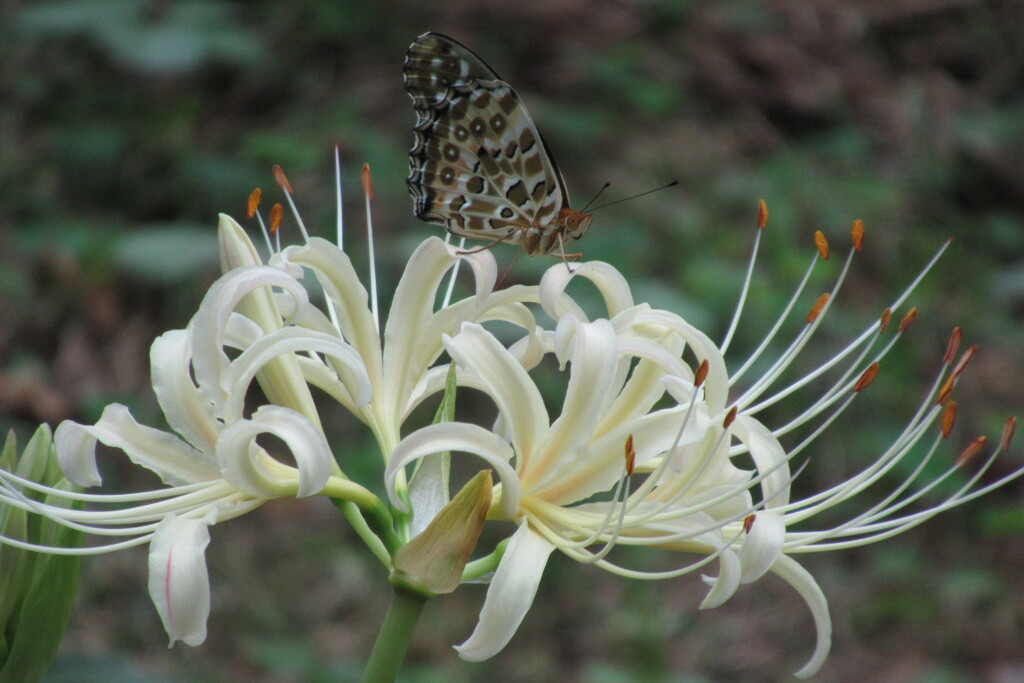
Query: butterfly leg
[
  {"x": 566, "y": 257},
  {"x": 486, "y": 246},
  {"x": 508, "y": 271}
]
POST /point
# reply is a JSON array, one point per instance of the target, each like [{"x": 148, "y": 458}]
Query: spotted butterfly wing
[{"x": 478, "y": 165}]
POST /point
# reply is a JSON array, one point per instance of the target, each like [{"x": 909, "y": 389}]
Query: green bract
[{"x": 38, "y": 588}]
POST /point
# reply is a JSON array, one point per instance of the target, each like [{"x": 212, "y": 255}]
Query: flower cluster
[{"x": 658, "y": 442}]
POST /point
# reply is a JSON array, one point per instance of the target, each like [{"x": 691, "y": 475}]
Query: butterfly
[{"x": 478, "y": 165}]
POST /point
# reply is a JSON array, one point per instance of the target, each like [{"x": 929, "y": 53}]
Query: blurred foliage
[{"x": 126, "y": 126}]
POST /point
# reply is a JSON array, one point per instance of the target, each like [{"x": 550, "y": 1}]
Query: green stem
[{"x": 393, "y": 639}]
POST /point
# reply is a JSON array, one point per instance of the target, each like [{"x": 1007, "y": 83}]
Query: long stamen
[
  {"x": 621, "y": 495},
  {"x": 276, "y": 214},
  {"x": 251, "y": 207},
  {"x": 779, "y": 321},
  {"x": 867, "y": 334},
  {"x": 286, "y": 187},
  {"x": 786, "y": 358},
  {"x": 367, "y": 198},
  {"x": 455, "y": 271},
  {"x": 870, "y": 533},
  {"x": 762, "y": 222},
  {"x": 339, "y": 218}
]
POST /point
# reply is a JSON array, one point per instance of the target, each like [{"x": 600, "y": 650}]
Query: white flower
[
  {"x": 257, "y": 323},
  {"x": 622, "y": 465}
]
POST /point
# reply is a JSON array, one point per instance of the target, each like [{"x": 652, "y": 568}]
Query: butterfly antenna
[
  {"x": 626, "y": 199},
  {"x": 594, "y": 198}
]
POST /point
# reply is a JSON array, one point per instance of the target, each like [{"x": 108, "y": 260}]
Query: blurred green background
[{"x": 125, "y": 126}]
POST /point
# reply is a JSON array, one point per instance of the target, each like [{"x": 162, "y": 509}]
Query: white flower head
[
  {"x": 258, "y": 326},
  {"x": 646, "y": 446}
]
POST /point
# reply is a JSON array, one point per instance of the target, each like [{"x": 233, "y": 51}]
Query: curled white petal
[
  {"x": 565, "y": 333},
  {"x": 509, "y": 596},
  {"x": 347, "y": 294},
  {"x": 178, "y": 581},
  {"x": 609, "y": 282},
  {"x": 173, "y": 460},
  {"x": 769, "y": 456},
  {"x": 413, "y": 334},
  {"x": 716, "y": 386},
  {"x": 210, "y": 321},
  {"x": 347, "y": 363},
  {"x": 762, "y": 546},
  {"x": 187, "y": 411},
  {"x": 76, "y": 453},
  {"x": 506, "y": 381},
  {"x": 680, "y": 389},
  {"x": 725, "y": 584},
  {"x": 799, "y": 578},
  {"x": 456, "y": 436},
  {"x": 247, "y": 466}
]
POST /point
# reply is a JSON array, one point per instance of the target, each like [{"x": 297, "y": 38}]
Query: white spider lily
[
  {"x": 619, "y": 466},
  {"x": 257, "y": 323},
  {"x": 217, "y": 471}
]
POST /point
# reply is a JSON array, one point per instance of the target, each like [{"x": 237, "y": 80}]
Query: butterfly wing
[{"x": 478, "y": 165}]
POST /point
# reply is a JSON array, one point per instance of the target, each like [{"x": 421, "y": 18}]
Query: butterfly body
[{"x": 478, "y": 165}]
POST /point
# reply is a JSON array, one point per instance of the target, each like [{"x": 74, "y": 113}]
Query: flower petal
[
  {"x": 725, "y": 584},
  {"x": 209, "y": 323},
  {"x": 510, "y": 595},
  {"x": 799, "y": 578},
  {"x": 517, "y": 397},
  {"x": 247, "y": 466},
  {"x": 178, "y": 582},
  {"x": 76, "y": 453},
  {"x": 609, "y": 282},
  {"x": 768, "y": 455},
  {"x": 187, "y": 410},
  {"x": 413, "y": 334},
  {"x": 348, "y": 295},
  {"x": 716, "y": 386},
  {"x": 595, "y": 357},
  {"x": 344, "y": 360},
  {"x": 173, "y": 460},
  {"x": 457, "y": 436},
  {"x": 762, "y": 546}
]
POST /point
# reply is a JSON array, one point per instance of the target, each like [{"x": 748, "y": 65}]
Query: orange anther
[
  {"x": 965, "y": 359},
  {"x": 701, "y": 374},
  {"x": 816, "y": 308},
  {"x": 954, "y": 344},
  {"x": 253, "y": 203},
  {"x": 858, "y": 234},
  {"x": 276, "y": 214},
  {"x": 1008, "y": 430},
  {"x": 971, "y": 451},
  {"x": 884, "y": 322},
  {"x": 948, "y": 418},
  {"x": 866, "y": 377},
  {"x": 364, "y": 176},
  {"x": 908, "y": 320},
  {"x": 730, "y": 417},
  {"x": 821, "y": 243},
  {"x": 947, "y": 390},
  {"x": 282, "y": 180},
  {"x": 762, "y": 214},
  {"x": 748, "y": 523},
  {"x": 630, "y": 456}
]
